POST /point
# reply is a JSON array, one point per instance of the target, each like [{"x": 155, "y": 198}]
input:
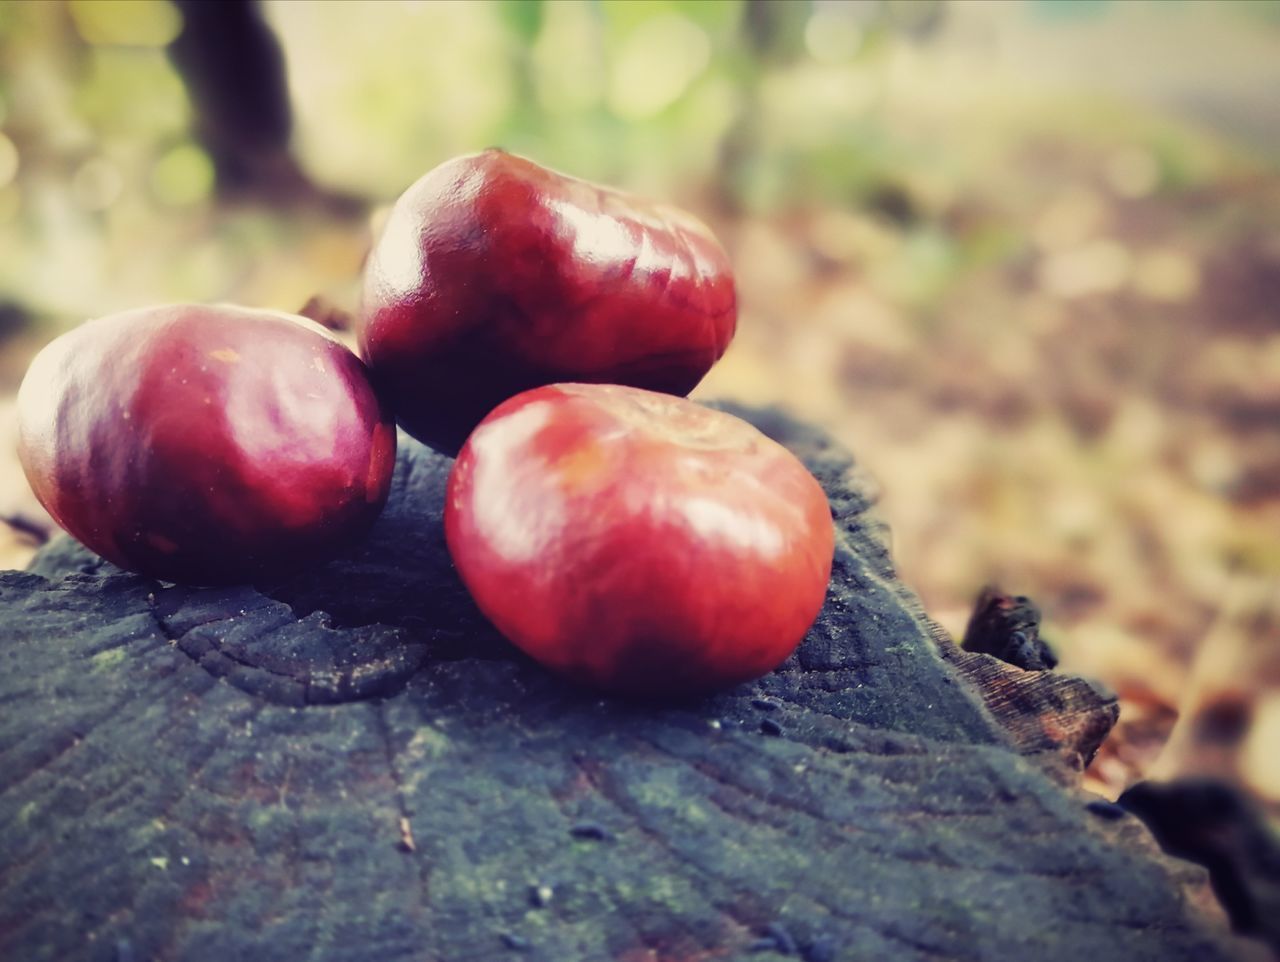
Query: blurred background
[{"x": 1023, "y": 258}]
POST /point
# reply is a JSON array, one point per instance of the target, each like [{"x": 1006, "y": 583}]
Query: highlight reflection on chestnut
[
  {"x": 205, "y": 444},
  {"x": 637, "y": 542},
  {"x": 494, "y": 275}
]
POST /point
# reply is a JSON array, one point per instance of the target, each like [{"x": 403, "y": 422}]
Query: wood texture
[{"x": 353, "y": 766}]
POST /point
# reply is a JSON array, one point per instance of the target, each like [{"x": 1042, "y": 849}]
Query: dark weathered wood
[
  {"x": 1060, "y": 717},
  {"x": 1215, "y": 825},
  {"x": 1008, "y": 626},
  {"x": 352, "y": 765}
]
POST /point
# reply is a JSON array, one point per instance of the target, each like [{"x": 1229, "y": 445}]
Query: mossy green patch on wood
[{"x": 107, "y": 660}]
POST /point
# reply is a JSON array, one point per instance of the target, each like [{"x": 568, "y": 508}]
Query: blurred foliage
[
  {"x": 1022, "y": 257},
  {"x": 728, "y": 106}
]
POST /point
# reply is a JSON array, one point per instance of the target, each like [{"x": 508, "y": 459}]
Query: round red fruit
[
  {"x": 638, "y": 542},
  {"x": 205, "y": 444},
  {"x": 494, "y": 275}
]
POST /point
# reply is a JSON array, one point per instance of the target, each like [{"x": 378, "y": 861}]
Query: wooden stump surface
[{"x": 351, "y": 765}]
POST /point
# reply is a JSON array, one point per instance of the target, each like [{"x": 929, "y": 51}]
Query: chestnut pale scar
[{"x": 578, "y": 467}]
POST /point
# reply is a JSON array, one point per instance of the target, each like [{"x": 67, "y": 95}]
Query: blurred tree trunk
[
  {"x": 234, "y": 71},
  {"x": 772, "y": 33}
]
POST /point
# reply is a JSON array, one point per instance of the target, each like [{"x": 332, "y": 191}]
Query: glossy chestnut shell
[
  {"x": 637, "y": 542},
  {"x": 204, "y": 444},
  {"x": 493, "y": 275}
]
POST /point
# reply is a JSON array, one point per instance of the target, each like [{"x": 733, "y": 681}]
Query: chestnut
[
  {"x": 493, "y": 275},
  {"x": 637, "y": 542},
  {"x": 204, "y": 444}
]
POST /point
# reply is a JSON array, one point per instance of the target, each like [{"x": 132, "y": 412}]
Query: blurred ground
[{"x": 1023, "y": 258}]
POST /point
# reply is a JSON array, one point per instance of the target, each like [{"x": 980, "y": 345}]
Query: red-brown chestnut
[
  {"x": 638, "y": 542},
  {"x": 494, "y": 275},
  {"x": 205, "y": 444}
]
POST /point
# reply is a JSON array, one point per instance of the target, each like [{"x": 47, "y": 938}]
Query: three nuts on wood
[{"x": 541, "y": 328}]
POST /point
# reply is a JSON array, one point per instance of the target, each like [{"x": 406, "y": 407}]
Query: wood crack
[{"x": 403, "y": 829}]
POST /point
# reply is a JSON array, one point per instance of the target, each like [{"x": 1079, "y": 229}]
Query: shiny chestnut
[
  {"x": 493, "y": 275},
  {"x": 637, "y": 542},
  {"x": 205, "y": 444}
]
